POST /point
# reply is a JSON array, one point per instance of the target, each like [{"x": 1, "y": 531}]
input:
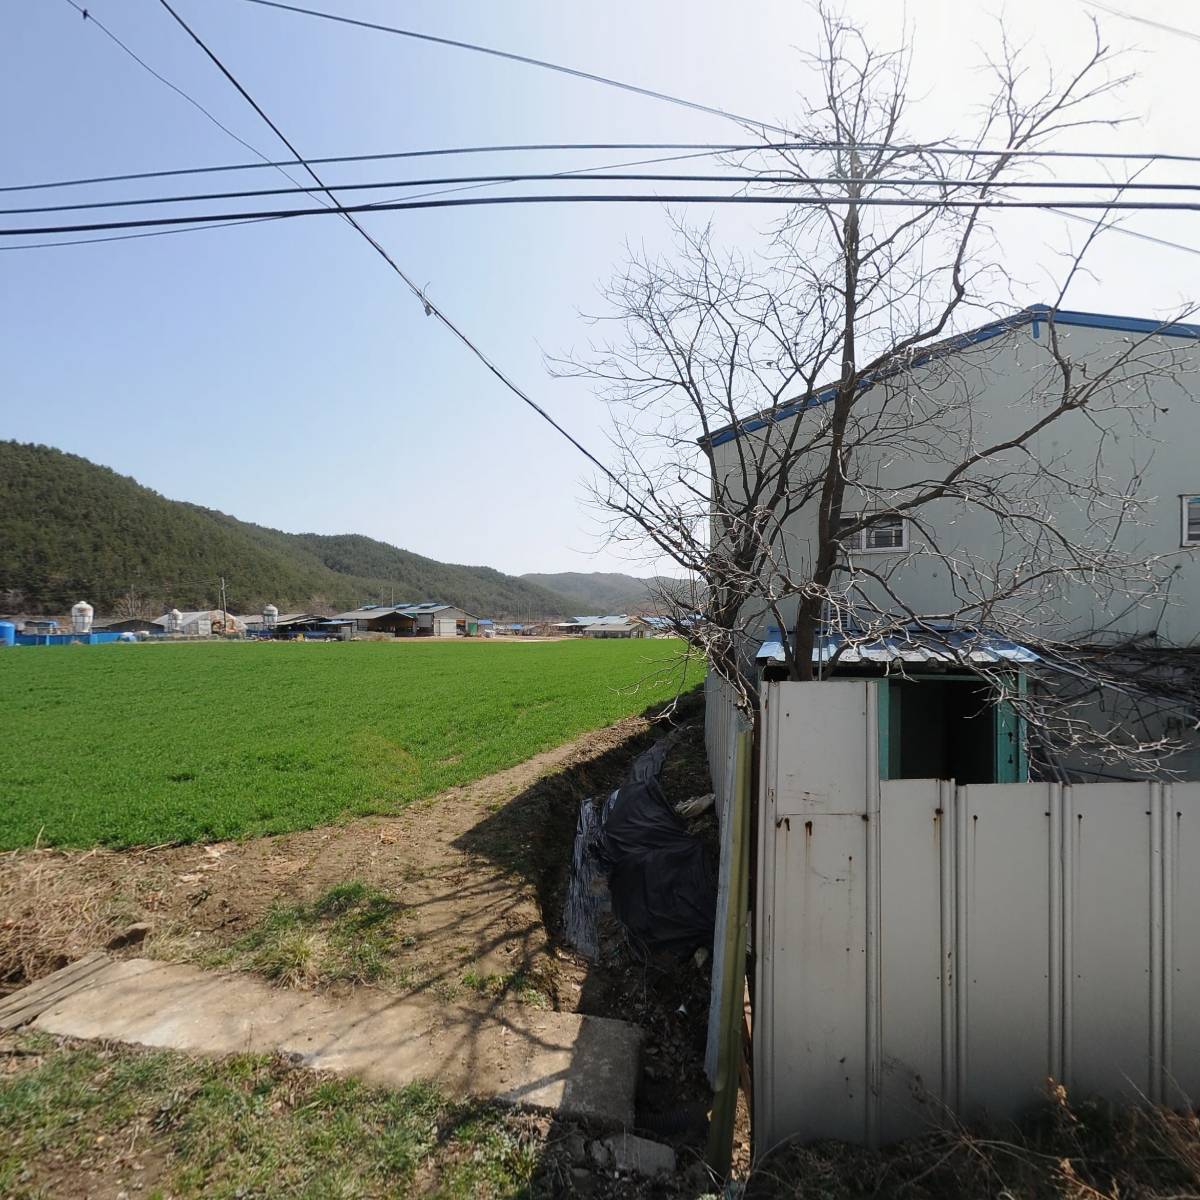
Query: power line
[
  {"x": 88, "y": 15},
  {"x": 1128, "y": 16},
  {"x": 586, "y": 174},
  {"x": 711, "y": 109},
  {"x": 931, "y": 150},
  {"x": 715, "y": 110},
  {"x": 763, "y": 125},
  {"x": 702, "y": 149},
  {"x": 431, "y": 309},
  {"x": 1145, "y": 237},
  {"x": 217, "y": 224},
  {"x": 713, "y": 147},
  {"x": 348, "y": 210},
  {"x": 565, "y": 176}
]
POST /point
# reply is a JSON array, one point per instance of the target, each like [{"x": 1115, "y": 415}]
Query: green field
[{"x": 140, "y": 744}]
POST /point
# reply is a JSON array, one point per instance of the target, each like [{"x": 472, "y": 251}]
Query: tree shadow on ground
[{"x": 532, "y": 837}]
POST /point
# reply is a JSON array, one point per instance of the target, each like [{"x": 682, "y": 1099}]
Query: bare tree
[{"x": 778, "y": 412}]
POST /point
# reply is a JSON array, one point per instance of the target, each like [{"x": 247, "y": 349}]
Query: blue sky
[{"x": 281, "y": 373}]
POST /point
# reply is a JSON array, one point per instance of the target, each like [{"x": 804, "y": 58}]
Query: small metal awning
[{"x": 928, "y": 646}]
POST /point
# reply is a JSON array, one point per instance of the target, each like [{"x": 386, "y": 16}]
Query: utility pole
[{"x": 224, "y": 611}]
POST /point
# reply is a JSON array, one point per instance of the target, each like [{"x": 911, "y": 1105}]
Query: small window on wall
[
  {"x": 886, "y": 534},
  {"x": 1191, "y": 520}
]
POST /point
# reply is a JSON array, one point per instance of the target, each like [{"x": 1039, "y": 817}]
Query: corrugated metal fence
[
  {"x": 722, "y": 724},
  {"x": 926, "y": 948}
]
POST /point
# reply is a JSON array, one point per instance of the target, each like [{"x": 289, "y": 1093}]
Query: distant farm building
[
  {"x": 288, "y": 625},
  {"x": 430, "y": 619},
  {"x": 203, "y": 623},
  {"x": 129, "y": 625},
  {"x": 660, "y": 625},
  {"x": 622, "y": 626},
  {"x": 575, "y": 625},
  {"x": 616, "y": 625},
  {"x": 36, "y": 625}
]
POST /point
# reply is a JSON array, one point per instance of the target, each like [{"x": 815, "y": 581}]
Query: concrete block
[{"x": 640, "y": 1155}]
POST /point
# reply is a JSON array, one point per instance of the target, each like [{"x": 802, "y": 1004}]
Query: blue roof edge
[{"x": 1033, "y": 315}]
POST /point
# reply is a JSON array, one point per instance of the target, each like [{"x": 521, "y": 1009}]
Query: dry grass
[
  {"x": 50, "y": 917},
  {"x": 1062, "y": 1151}
]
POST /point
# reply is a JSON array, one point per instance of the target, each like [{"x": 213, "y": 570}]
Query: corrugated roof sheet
[
  {"x": 659, "y": 622},
  {"x": 942, "y": 647}
]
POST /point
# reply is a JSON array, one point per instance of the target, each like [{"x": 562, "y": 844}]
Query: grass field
[{"x": 139, "y": 745}]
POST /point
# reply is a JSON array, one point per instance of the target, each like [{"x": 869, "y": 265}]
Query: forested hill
[
  {"x": 606, "y": 591},
  {"x": 71, "y": 530}
]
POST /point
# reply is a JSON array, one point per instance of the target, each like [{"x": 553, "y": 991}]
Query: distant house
[
  {"x": 575, "y": 626},
  {"x": 620, "y": 626},
  {"x": 380, "y": 618},
  {"x": 430, "y": 619}
]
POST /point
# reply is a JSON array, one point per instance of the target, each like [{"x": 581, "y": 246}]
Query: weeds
[
  {"x": 99, "y": 1118},
  {"x": 348, "y": 934},
  {"x": 1061, "y": 1151},
  {"x": 521, "y": 984}
]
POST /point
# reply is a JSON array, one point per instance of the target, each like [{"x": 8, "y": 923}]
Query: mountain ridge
[
  {"x": 601, "y": 592},
  {"x": 76, "y": 530}
]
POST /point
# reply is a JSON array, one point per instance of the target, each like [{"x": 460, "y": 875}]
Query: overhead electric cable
[
  {"x": 431, "y": 309},
  {"x": 1142, "y": 156},
  {"x": 750, "y": 122},
  {"x": 1141, "y": 20},
  {"x": 541, "y": 147},
  {"x": 711, "y": 147},
  {"x": 348, "y": 210},
  {"x": 711, "y": 109},
  {"x": 88, "y": 15},
  {"x": 585, "y": 174},
  {"x": 1135, "y": 233},
  {"x": 218, "y": 224},
  {"x": 525, "y": 59}
]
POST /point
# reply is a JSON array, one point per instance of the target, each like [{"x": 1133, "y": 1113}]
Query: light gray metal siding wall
[
  {"x": 924, "y": 947},
  {"x": 1160, "y": 445}
]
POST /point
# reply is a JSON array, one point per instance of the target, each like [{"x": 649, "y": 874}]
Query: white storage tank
[
  {"x": 174, "y": 621},
  {"x": 81, "y": 617},
  {"x": 270, "y": 616}
]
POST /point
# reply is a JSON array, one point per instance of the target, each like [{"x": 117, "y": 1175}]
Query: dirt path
[{"x": 470, "y": 870}]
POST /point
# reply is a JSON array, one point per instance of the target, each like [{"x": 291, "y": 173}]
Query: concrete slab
[{"x": 572, "y": 1065}]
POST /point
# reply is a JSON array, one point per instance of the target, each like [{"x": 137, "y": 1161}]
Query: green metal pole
[{"x": 733, "y": 975}]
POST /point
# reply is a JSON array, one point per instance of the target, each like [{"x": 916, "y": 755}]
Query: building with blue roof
[{"x": 1064, "y": 447}]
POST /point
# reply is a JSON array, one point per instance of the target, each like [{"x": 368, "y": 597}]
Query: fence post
[{"x": 733, "y": 973}]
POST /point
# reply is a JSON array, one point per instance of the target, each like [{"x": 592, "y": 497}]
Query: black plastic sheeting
[
  {"x": 634, "y": 858},
  {"x": 664, "y": 891}
]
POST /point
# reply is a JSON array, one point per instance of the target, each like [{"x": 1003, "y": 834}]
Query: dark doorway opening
[{"x": 948, "y": 728}]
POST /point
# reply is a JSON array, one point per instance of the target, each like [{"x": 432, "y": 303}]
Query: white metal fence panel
[
  {"x": 817, "y": 926},
  {"x": 1005, "y": 1039},
  {"x": 924, "y": 947},
  {"x": 1113, "y": 923},
  {"x": 916, "y": 955},
  {"x": 1181, "y": 886}
]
